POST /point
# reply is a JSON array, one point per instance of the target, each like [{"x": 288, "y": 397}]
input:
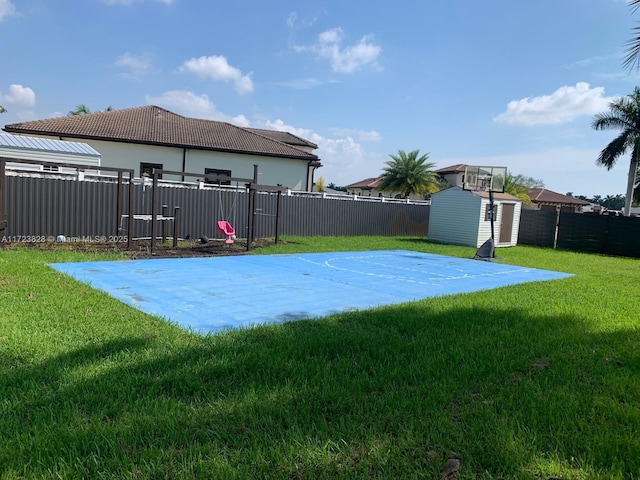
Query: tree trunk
[{"x": 633, "y": 168}]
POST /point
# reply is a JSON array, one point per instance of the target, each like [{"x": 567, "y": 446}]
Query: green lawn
[{"x": 533, "y": 381}]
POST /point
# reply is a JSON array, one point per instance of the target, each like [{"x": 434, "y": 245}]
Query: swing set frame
[{"x": 251, "y": 184}]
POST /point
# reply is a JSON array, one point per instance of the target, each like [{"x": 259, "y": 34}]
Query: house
[
  {"x": 18, "y": 147},
  {"x": 462, "y": 217},
  {"x": 365, "y": 188},
  {"x": 369, "y": 188},
  {"x": 453, "y": 175},
  {"x": 544, "y": 199},
  {"x": 144, "y": 138}
]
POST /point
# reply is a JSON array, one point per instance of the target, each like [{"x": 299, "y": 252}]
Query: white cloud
[
  {"x": 6, "y": 9},
  {"x": 562, "y": 106},
  {"x": 217, "y": 68},
  {"x": 344, "y": 160},
  {"x": 302, "y": 83},
  {"x": 344, "y": 59},
  {"x": 136, "y": 65},
  {"x": 18, "y": 95},
  {"x": 191, "y": 105},
  {"x": 360, "y": 135}
]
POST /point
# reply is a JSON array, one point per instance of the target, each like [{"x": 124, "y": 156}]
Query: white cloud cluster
[
  {"x": 344, "y": 159},
  {"x": 344, "y": 59},
  {"x": 562, "y": 106},
  {"x": 18, "y": 95},
  {"x": 217, "y": 68},
  {"x": 136, "y": 65},
  {"x": 6, "y": 9},
  {"x": 191, "y": 105}
]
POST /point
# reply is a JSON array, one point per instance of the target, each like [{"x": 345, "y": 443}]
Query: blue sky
[{"x": 498, "y": 82}]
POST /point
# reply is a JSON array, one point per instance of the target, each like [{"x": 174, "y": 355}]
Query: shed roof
[
  {"x": 20, "y": 143},
  {"x": 152, "y": 125},
  {"x": 496, "y": 195}
]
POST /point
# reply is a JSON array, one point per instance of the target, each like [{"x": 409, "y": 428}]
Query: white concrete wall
[
  {"x": 288, "y": 172},
  {"x": 453, "y": 217},
  {"x": 42, "y": 156}
]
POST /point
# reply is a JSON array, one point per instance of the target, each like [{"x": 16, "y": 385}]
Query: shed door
[{"x": 506, "y": 224}]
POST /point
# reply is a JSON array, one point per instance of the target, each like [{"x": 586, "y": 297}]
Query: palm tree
[
  {"x": 514, "y": 185},
  {"x": 2, "y": 109},
  {"x": 623, "y": 114},
  {"x": 409, "y": 174},
  {"x": 633, "y": 46},
  {"x": 81, "y": 109}
]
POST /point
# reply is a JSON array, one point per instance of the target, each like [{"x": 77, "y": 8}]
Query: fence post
[
  {"x": 154, "y": 210},
  {"x": 131, "y": 208},
  {"x": 3, "y": 196},
  {"x": 164, "y": 223},
  {"x": 120, "y": 195},
  {"x": 176, "y": 218}
]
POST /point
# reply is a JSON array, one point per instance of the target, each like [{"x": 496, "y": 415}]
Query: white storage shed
[
  {"x": 461, "y": 217},
  {"x": 19, "y": 147}
]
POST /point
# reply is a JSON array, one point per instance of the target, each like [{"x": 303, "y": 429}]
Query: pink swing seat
[{"x": 227, "y": 230}]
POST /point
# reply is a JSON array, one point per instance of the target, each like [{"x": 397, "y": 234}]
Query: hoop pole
[
  {"x": 130, "y": 220},
  {"x": 119, "y": 207},
  {"x": 154, "y": 210},
  {"x": 278, "y": 205},
  {"x": 491, "y": 215}
]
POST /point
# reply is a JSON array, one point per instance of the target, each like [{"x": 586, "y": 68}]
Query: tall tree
[
  {"x": 81, "y": 109},
  {"x": 632, "y": 56},
  {"x": 624, "y": 115},
  {"x": 520, "y": 186},
  {"x": 408, "y": 174}
]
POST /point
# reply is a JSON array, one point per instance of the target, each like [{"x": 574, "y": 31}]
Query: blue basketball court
[{"x": 218, "y": 293}]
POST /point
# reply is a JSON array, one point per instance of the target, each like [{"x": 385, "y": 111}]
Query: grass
[{"x": 533, "y": 381}]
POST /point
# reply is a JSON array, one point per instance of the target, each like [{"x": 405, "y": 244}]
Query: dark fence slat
[{"x": 40, "y": 205}]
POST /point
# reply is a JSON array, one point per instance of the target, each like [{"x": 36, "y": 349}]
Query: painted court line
[{"x": 218, "y": 293}]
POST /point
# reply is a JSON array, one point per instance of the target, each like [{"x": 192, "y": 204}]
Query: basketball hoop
[{"x": 491, "y": 180}]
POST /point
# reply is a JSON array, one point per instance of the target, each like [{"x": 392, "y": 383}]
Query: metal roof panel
[{"x": 47, "y": 145}]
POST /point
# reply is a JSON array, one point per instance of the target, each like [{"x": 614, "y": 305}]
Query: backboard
[{"x": 484, "y": 178}]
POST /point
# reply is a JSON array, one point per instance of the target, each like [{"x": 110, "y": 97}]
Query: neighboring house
[
  {"x": 144, "y": 138},
  {"x": 453, "y": 175},
  {"x": 18, "y": 147},
  {"x": 543, "y": 199},
  {"x": 462, "y": 217},
  {"x": 369, "y": 188},
  {"x": 365, "y": 188}
]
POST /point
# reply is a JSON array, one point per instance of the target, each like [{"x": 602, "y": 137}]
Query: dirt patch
[{"x": 142, "y": 248}]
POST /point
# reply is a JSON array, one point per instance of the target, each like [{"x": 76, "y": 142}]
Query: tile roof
[
  {"x": 542, "y": 195},
  {"x": 284, "y": 137},
  {"x": 154, "y": 125},
  {"x": 366, "y": 183},
  {"x": 458, "y": 168}
]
